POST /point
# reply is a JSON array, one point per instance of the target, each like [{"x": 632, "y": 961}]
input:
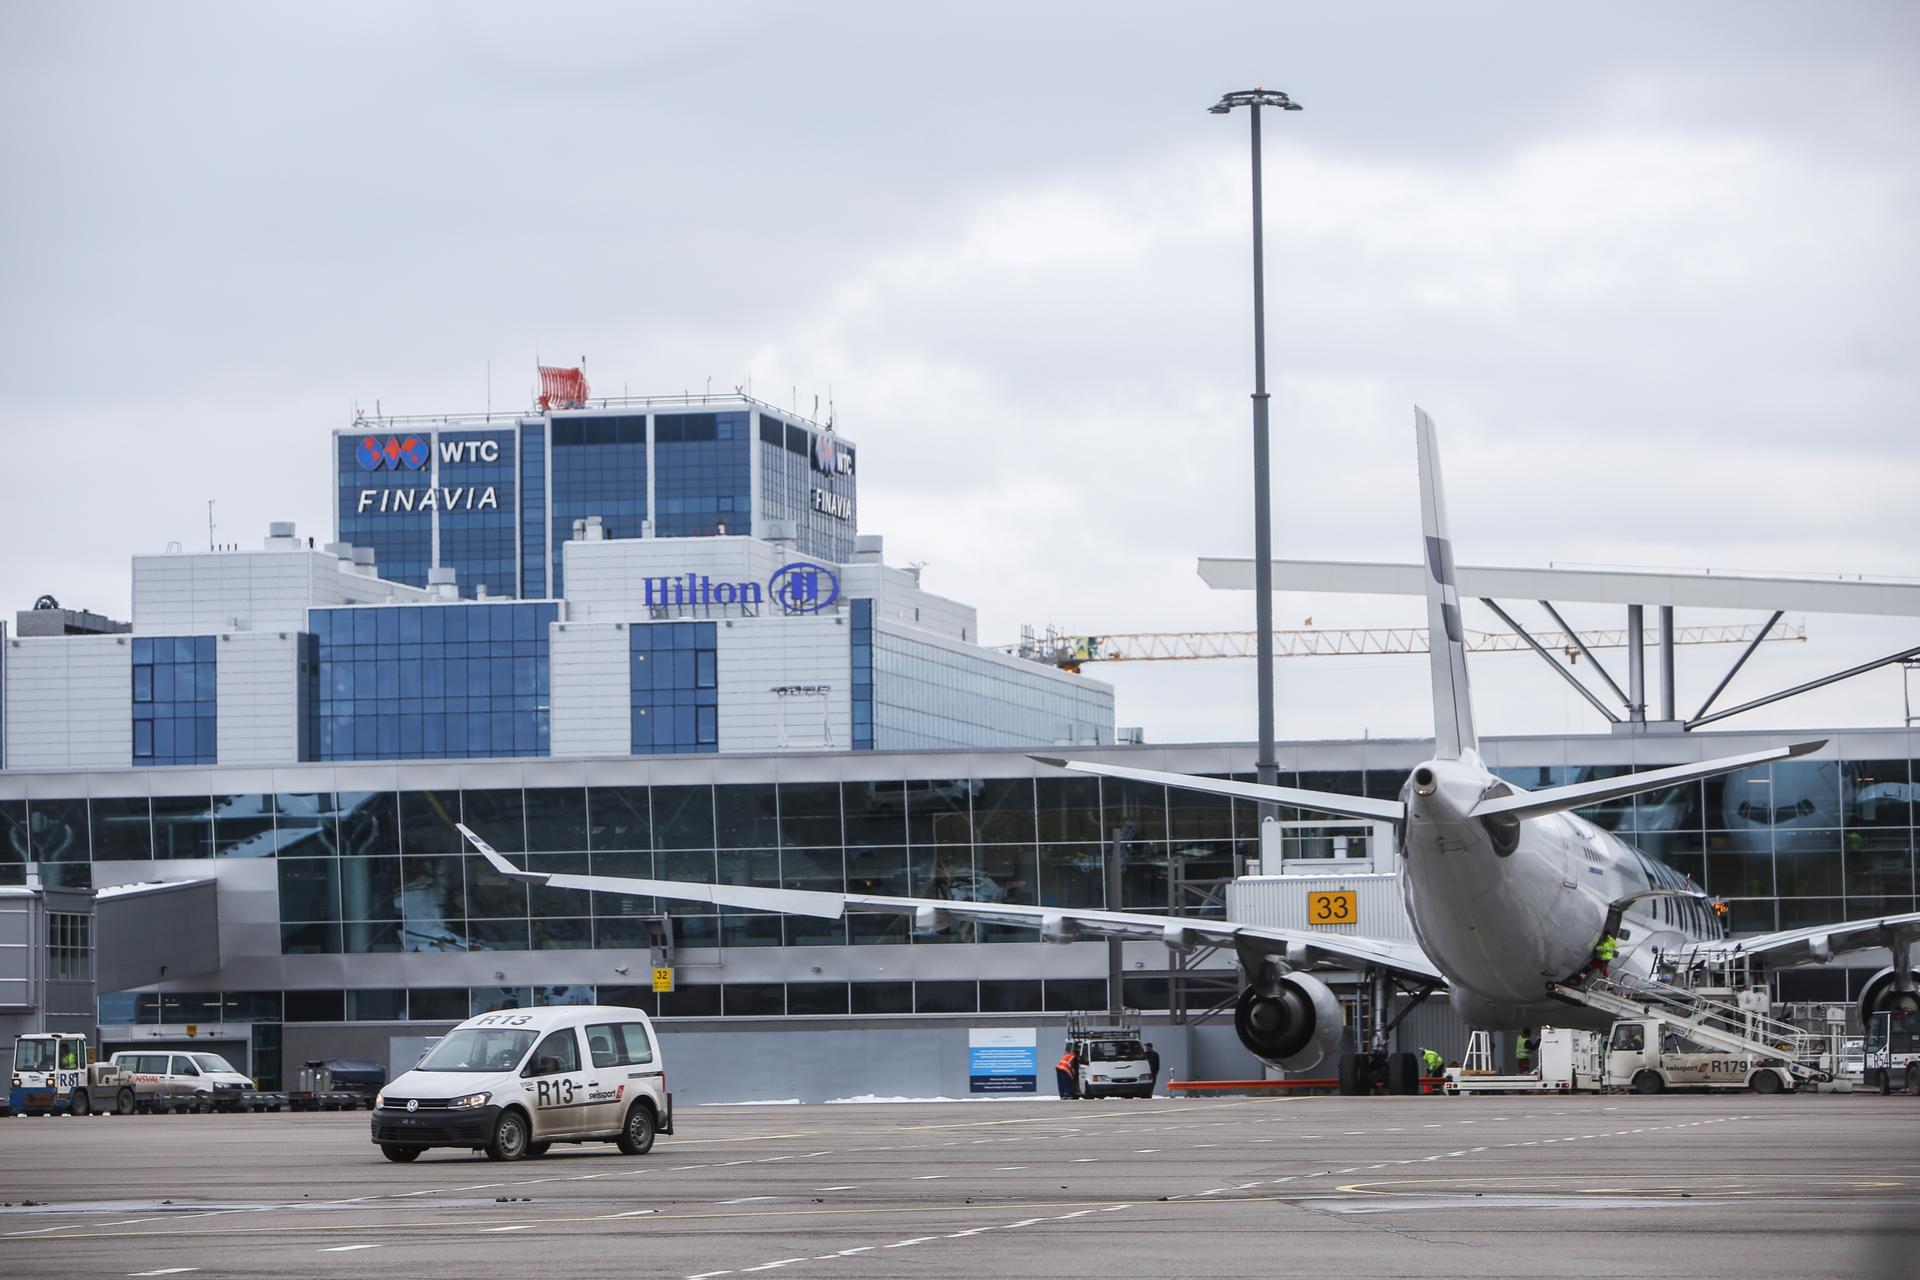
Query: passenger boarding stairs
[{"x": 1706, "y": 1021}]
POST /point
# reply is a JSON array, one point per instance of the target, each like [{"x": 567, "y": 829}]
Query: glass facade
[
  {"x": 675, "y": 693},
  {"x": 382, "y": 872},
  {"x": 599, "y": 469},
  {"x": 703, "y": 483},
  {"x": 935, "y": 695},
  {"x": 175, "y": 704},
  {"x": 533, "y": 510},
  {"x": 862, "y": 672},
  {"x": 792, "y": 468},
  {"x": 366, "y": 513},
  {"x": 418, "y": 682},
  {"x": 477, "y": 484}
]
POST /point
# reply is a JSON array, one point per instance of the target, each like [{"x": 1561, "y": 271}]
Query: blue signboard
[{"x": 1002, "y": 1059}]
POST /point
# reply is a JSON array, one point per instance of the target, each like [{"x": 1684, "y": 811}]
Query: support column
[
  {"x": 1667, "y": 711},
  {"x": 1636, "y": 665}
]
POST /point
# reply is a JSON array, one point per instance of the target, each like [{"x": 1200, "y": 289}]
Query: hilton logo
[{"x": 796, "y": 588}]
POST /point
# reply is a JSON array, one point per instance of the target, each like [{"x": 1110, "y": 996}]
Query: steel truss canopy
[{"x": 1634, "y": 588}]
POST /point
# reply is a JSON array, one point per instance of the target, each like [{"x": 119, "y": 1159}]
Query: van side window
[
  {"x": 558, "y": 1053},
  {"x": 626, "y": 1044}
]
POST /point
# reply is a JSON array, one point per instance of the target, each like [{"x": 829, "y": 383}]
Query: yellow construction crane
[{"x": 1071, "y": 652}]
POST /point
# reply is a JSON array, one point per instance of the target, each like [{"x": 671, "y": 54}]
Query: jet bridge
[{"x": 1707, "y": 1021}]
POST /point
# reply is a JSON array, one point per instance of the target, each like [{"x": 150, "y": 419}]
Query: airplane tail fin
[{"x": 1452, "y": 705}]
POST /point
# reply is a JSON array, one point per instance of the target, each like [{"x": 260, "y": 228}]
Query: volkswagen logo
[
  {"x": 392, "y": 454},
  {"x": 803, "y": 588},
  {"x": 413, "y": 1104}
]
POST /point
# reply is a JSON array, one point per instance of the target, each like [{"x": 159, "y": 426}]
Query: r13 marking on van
[{"x": 555, "y": 1093}]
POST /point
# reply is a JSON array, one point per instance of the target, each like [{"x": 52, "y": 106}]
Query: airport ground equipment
[
  {"x": 336, "y": 1084},
  {"x": 1653, "y": 1055},
  {"x": 1566, "y": 1061},
  {"x": 1733, "y": 1032},
  {"x": 1109, "y": 1059},
  {"x": 1892, "y": 1058}
]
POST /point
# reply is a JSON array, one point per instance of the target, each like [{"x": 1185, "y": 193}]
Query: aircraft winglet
[{"x": 500, "y": 863}]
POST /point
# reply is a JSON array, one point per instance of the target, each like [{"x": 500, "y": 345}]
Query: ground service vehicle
[
  {"x": 1893, "y": 1051},
  {"x": 1565, "y": 1060},
  {"x": 1650, "y": 1055},
  {"x": 515, "y": 1082},
  {"x": 176, "y": 1079},
  {"x": 56, "y": 1072},
  {"x": 1109, "y": 1061}
]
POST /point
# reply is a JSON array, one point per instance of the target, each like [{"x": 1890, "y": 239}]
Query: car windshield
[
  {"x": 1116, "y": 1050},
  {"x": 33, "y": 1055},
  {"x": 214, "y": 1062},
  {"x": 479, "y": 1049}
]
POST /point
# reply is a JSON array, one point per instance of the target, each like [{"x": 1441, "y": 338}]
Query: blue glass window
[
  {"x": 675, "y": 688},
  {"x": 175, "y": 711},
  {"x": 477, "y": 536},
  {"x": 862, "y": 642},
  {"x": 533, "y": 510},
  {"x": 599, "y": 469},
  {"x": 423, "y": 682},
  {"x": 704, "y": 479}
]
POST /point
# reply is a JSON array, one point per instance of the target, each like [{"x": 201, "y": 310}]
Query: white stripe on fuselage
[{"x": 1502, "y": 928}]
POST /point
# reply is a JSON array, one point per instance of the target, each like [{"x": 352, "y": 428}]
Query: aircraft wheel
[
  {"x": 1349, "y": 1075},
  {"x": 1648, "y": 1082},
  {"x": 1403, "y": 1074}
]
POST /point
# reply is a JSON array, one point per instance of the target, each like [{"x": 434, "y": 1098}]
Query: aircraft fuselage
[{"x": 1502, "y": 912}]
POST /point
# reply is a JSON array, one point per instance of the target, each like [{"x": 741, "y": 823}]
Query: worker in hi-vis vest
[
  {"x": 1604, "y": 952},
  {"x": 1063, "y": 1073},
  {"x": 1433, "y": 1061}
]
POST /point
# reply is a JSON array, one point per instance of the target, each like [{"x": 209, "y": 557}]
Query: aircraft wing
[
  {"x": 1816, "y": 943},
  {"x": 1299, "y": 946}
]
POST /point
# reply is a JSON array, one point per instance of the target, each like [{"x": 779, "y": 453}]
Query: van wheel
[
  {"x": 1648, "y": 1082},
  {"x": 537, "y": 1149},
  {"x": 80, "y": 1104},
  {"x": 509, "y": 1137},
  {"x": 636, "y": 1138},
  {"x": 1764, "y": 1082},
  {"x": 401, "y": 1155},
  {"x": 1913, "y": 1080},
  {"x": 123, "y": 1103}
]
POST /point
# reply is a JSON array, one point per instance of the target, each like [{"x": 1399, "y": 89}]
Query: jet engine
[
  {"x": 1295, "y": 1028},
  {"x": 1880, "y": 994}
]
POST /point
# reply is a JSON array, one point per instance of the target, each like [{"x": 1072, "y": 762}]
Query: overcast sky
[{"x": 1652, "y": 268}]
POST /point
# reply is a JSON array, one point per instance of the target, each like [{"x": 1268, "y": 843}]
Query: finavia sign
[
  {"x": 796, "y": 588},
  {"x": 413, "y": 453}
]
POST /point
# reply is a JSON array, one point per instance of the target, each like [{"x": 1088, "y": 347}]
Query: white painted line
[
  {"x": 349, "y": 1248},
  {"x": 1148, "y": 1151},
  {"x": 636, "y": 1213},
  {"x": 769, "y": 1266},
  {"x": 929, "y": 1177},
  {"x": 1011, "y": 1168},
  {"x": 865, "y": 1248},
  {"x": 704, "y": 1274},
  {"x": 1084, "y": 1160},
  {"x": 851, "y": 1186},
  {"x": 901, "y": 1244},
  {"x": 164, "y": 1271},
  {"x": 748, "y": 1200},
  {"x": 497, "y": 1230}
]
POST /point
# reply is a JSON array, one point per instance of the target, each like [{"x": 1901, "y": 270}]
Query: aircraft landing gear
[{"x": 1365, "y": 1074}]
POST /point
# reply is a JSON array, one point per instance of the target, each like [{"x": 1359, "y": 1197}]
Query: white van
[
  {"x": 180, "y": 1079},
  {"x": 513, "y": 1083}
]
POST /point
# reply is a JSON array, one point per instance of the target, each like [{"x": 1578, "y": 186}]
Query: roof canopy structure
[{"x": 1634, "y": 588}]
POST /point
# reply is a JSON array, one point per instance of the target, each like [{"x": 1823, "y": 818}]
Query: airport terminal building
[{"x": 661, "y": 648}]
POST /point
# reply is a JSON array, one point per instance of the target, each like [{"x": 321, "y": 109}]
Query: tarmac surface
[{"x": 1620, "y": 1186}]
